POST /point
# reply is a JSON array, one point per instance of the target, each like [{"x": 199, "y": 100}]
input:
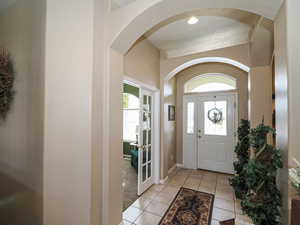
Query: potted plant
[
  {"x": 238, "y": 182},
  {"x": 263, "y": 199}
]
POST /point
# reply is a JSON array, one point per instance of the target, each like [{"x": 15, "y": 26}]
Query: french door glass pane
[
  {"x": 215, "y": 118},
  {"x": 149, "y": 137},
  {"x": 149, "y": 153},
  {"x": 149, "y": 170},
  {"x": 146, "y": 138},
  {"x": 144, "y": 156},
  {"x": 150, "y": 102},
  {"x": 144, "y": 175}
]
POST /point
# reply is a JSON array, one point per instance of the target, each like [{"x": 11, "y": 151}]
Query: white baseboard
[
  {"x": 179, "y": 165},
  {"x": 163, "y": 181},
  {"x": 172, "y": 169}
]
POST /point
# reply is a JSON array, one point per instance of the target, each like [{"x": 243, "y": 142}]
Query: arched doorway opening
[
  {"x": 135, "y": 25},
  {"x": 210, "y": 118}
]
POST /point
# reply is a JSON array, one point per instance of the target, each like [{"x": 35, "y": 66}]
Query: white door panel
[{"x": 211, "y": 147}]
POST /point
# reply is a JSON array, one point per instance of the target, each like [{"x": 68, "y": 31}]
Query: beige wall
[
  {"x": 260, "y": 95},
  {"x": 191, "y": 72},
  {"x": 281, "y": 87},
  {"x": 239, "y": 53},
  {"x": 141, "y": 63},
  {"x": 169, "y": 137},
  {"x": 69, "y": 71},
  {"x": 114, "y": 180},
  {"x": 21, "y": 134}
]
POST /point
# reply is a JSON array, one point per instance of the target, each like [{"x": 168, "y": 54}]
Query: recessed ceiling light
[{"x": 193, "y": 20}]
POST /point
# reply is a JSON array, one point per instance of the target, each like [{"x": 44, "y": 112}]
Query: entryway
[
  {"x": 209, "y": 125},
  {"x": 153, "y": 204},
  {"x": 138, "y": 139}
]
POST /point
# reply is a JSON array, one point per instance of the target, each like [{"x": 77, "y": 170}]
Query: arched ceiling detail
[
  {"x": 130, "y": 23},
  {"x": 207, "y": 60},
  {"x": 241, "y": 16}
]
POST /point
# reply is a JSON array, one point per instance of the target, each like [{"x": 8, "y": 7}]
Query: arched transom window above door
[{"x": 210, "y": 82}]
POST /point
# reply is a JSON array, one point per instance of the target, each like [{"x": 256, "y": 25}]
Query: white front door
[
  {"x": 145, "y": 156},
  {"x": 209, "y": 140}
]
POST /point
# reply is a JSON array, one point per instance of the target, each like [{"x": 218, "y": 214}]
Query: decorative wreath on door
[
  {"x": 215, "y": 115},
  {"x": 6, "y": 83}
]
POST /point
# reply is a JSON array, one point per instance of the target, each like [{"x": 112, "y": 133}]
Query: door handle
[
  {"x": 199, "y": 133},
  {"x": 142, "y": 147}
]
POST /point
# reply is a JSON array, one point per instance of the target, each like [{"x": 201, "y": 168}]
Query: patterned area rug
[
  {"x": 189, "y": 208},
  {"x": 228, "y": 222}
]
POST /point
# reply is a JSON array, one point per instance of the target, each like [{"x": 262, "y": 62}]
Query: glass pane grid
[{"x": 146, "y": 162}]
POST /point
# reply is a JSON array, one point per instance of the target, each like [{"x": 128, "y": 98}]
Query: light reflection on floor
[{"x": 129, "y": 184}]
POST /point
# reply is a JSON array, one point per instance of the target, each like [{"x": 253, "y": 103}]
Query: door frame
[
  {"x": 156, "y": 123},
  {"x": 196, "y": 95}
]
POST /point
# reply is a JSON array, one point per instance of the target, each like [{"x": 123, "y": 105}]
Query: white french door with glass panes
[
  {"x": 209, "y": 131},
  {"x": 145, "y": 158}
]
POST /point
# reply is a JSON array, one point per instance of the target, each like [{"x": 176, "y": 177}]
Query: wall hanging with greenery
[
  {"x": 6, "y": 82},
  {"x": 242, "y": 150},
  {"x": 263, "y": 200}
]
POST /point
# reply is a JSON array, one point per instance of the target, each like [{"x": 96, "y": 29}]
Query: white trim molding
[
  {"x": 179, "y": 165},
  {"x": 163, "y": 181},
  {"x": 172, "y": 169},
  {"x": 137, "y": 83},
  {"x": 156, "y": 127},
  {"x": 207, "y": 60}
]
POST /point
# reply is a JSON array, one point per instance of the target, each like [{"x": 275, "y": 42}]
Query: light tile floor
[
  {"x": 152, "y": 205},
  {"x": 130, "y": 178}
]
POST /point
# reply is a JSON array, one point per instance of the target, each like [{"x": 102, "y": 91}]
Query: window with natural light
[
  {"x": 190, "y": 118},
  {"x": 210, "y": 83},
  {"x": 131, "y": 117}
]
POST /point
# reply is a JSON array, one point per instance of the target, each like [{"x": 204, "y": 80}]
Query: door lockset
[{"x": 199, "y": 133}]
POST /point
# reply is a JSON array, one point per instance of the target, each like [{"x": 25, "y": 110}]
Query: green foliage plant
[
  {"x": 263, "y": 201},
  {"x": 242, "y": 150},
  {"x": 6, "y": 83}
]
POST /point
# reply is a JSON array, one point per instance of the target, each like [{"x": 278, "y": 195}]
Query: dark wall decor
[
  {"x": 171, "y": 113},
  {"x": 6, "y": 83}
]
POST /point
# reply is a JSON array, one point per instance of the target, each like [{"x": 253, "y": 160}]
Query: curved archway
[
  {"x": 133, "y": 21},
  {"x": 207, "y": 60},
  {"x": 210, "y": 82},
  {"x": 128, "y": 24}
]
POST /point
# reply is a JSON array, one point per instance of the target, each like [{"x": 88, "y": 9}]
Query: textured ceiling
[
  {"x": 209, "y": 28},
  {"x": 217, "y": 28},
  {"x": 115, "y": 4}
]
